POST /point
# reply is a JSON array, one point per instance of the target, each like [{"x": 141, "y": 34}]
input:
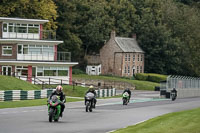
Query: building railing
[
  {"x": 23, "y": 34},
  {"x": 46, "y": 56}
]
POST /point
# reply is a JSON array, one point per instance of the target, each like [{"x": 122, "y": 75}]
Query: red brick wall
[
  {"x": 14, "y": 51},
  {"x": 107, "y": 57}
]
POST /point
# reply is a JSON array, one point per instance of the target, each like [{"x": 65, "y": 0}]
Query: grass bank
[
  {"x": 12, "y": 83},
  {"x": 140, "y": 85},
  {"x": 28, "y": 103},
  {"x": 178, "y": 122}
]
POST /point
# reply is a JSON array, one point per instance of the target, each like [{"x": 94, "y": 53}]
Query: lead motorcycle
[
  {"x": 125, "y": 98},
  {"x": 89, "y": 97},
  {"x": 54, "y": 108}
]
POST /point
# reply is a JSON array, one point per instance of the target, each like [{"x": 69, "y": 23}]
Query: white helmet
[{"x": 59, "y": 89}]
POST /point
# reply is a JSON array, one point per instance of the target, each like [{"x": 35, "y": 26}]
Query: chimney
[
  {"x": 112, "y": 35},
  {"x": 134, "y": 36}
]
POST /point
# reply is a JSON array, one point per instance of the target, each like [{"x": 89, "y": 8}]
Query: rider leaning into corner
[
  {"x": 61, "y": 95},
  {"x": 128, "y": 91},
  {"x": 92, "y": 90}
]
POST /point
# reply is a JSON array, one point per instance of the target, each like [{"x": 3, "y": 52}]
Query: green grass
[
  {"x": 27, "y": 103},
  {"x": 140, "y": 85},
  {"x": 12, "y": 83},
  {"x": 178, "y": 122}
]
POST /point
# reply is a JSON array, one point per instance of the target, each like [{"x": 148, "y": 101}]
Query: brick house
[
  {"x": 93, "y": 64},
  {"x": 121, "y": 56},
  {"x": 28, "y": 51}
]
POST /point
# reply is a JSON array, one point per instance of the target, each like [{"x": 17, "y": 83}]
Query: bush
[
  {"x": 151, "y": 77},
  {"x": 77, "y": 71}
]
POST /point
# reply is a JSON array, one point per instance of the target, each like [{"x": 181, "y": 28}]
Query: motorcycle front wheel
[
  {"x": 87, "y": 106},
  {"x": 51, "y": 114}
]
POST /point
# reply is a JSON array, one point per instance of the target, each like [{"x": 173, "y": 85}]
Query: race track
[{"x": 109, "y": 115}]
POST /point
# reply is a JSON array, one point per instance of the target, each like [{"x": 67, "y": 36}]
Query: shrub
[
  {"x": 77, "y": 71},
  {"x": 151, "y": 77}
]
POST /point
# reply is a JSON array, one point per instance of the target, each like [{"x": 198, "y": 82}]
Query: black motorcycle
[
  {"x": 89, "y": 97},
  {"x": 173, "y": 95}
]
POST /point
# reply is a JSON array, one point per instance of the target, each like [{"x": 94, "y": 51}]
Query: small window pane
[
  {"x": 4, "y": 27},
  {"x": 62, "y": 73}
]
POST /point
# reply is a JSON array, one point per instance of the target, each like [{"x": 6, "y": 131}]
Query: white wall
[{"x": 93, "y": 70}]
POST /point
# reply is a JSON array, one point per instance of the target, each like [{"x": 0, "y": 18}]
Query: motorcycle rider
[
  {"x": 128, "y": 91},
  {"x": 174, "y": 91},
  {"x": 92, "y": 90},
  {"x": 61, "y": 95}
]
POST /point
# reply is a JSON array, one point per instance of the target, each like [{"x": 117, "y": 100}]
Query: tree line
[{"x": 167, "y": 30}]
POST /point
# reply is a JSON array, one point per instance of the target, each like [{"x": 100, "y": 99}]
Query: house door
[
  {"x": 133, "y": 72},
  {"x": 6, "y": 70}
]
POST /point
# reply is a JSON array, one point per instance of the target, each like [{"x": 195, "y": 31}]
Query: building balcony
[
  {"x": 45, "y": 56},
  {"x": 31, "y": 35}
]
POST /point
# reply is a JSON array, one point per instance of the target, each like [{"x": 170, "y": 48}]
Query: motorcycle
[
  {"x": 88, "y": 105},
  {"x": 54, "y": 108},
  {"x": 173, "y": 96},
  {"x": 125, "y": 98}
]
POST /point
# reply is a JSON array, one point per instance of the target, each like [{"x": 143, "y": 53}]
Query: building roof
[
  {"x": 128, "y": 44},
  {"x": 12, "y": 20},
  {"x": 37, "y": 63},
  {"x": 25, "y": 41}
]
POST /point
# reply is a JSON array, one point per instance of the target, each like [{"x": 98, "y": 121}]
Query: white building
[
  {"x": 29, "y": 51},
  {"x": 93, "y": 69}
]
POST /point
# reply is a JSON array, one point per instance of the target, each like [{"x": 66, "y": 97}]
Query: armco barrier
[
  {"x": 106, "y": 92},
  {"x": 15, "y": 95}
]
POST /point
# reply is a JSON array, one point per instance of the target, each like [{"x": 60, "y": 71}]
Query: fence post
[
  {"x": 42, "y": 85},
  {"x": 73, "y": 85},
  {"x": 49, "y": 81},
  {"x": 34, "y": 79},
  {"x": 61, "y": 82}
]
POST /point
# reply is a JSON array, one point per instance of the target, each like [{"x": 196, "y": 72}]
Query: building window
[
  {"x": 140, "y": 69},
  {"x": 137, "y": 69},
  {"x": 128, "y": 70},
  {"x": 138, "y": 57},
  {"x": 52, "y": 71},
  {"x": 125, "y": 69},
  {"x": 133, "y": 58},
  {"x": 129, "y": 57},
  {"x": 125, "y": 57},
  {"x": 141, "y": 58},
  {"x": 4, "y": 27},
  {"x": 7, "y": 50}
]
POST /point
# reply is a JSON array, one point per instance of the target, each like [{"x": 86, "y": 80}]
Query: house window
[
  {"x": 129, "y": 57},
  {"x": 133, "y": 58},
  {"x": 141, "y": 58},
  {"x": 125, "y": 69},
  {"x": 7, "y": 50},
  {"x": 125, "y": 57},
  {"x": 10, "y": 27},
  {"x": 128, "y": 70},
  {"x": 138, "y": 57},
  {"x": 137, "y": 69},
  {"x": 140, "y": 69}
]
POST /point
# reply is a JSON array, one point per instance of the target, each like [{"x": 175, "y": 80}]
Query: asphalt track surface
[{"x": 109, "y": 115}]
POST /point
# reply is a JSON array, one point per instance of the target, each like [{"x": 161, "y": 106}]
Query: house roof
[
  {"x": 128, "y": 44},
  {"x": 36, "y": 21}
]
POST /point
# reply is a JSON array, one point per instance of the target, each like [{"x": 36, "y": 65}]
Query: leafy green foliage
[{"x": 151, "y": 77}]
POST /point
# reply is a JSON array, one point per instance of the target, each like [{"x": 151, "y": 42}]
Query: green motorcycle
[
  {"x": 54, "y": 108},
  {"x": 125, "y": 98}
]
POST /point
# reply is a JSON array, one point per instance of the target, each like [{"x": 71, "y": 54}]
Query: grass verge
[
  {"x": 140, "y": 85},
  {"x": 178, "y": 122},
  {"x": 27, "y": 103}
]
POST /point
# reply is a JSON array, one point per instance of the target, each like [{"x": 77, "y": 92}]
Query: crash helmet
[
  {"x": 91, "y": 87},
  {"x": 59, "y": 89}
]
